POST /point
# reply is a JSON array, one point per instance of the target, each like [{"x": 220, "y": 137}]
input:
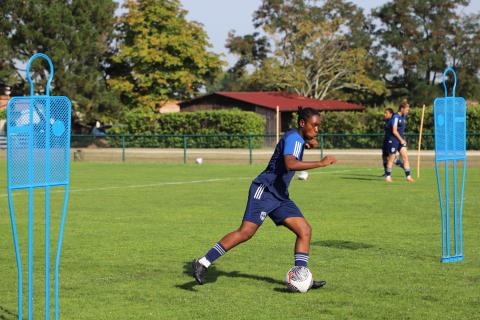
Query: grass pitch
[{"x": 132, "y": 230}]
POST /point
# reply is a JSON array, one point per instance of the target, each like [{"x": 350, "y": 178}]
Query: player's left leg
[
  {"x": 392, "y": 147},
  {"x": 388, "y": 171},
  {"x": 384, "y": 158},
  {"x": 289, "y": 215},
  {"x": 303, "y": 231},
  {"x": 406, "y": 164}
]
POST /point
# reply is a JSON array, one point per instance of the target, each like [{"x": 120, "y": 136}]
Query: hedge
[
  {"x": 358, "y": 129},
  {"x": 371, "y": 121},
  {"x": 205, "y": 123}
]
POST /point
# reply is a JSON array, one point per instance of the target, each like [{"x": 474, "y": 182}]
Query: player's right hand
[{"x": 328, "y": 160}]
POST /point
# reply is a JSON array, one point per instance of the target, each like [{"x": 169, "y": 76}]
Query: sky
[{"x": 221, "y": 16}]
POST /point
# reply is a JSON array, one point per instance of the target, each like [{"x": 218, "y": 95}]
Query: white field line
[{"x": 161, "y": 184}]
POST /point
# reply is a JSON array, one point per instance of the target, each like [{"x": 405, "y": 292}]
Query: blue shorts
[
  {"x": 393, "y": 145},
  {"x": 262, "y": 203}
]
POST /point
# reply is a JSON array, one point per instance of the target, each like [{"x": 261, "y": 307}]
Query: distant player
[
  {"x": 268, "y": 196},
  {"x": 396, "y": 141},
  {"x": 387, "y": 116}
]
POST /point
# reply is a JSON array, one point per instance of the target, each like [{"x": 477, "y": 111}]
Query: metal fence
[
  {"x": 226, "y": 148},
  {"x": 245, "y": 147}
]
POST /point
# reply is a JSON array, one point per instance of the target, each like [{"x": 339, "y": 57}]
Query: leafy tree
[
  {"x": 76, "y": 35},
  {"x": 320, "y": 51},
  {"x": 251, "y": 49},
  {"x": 464, "y": 54},
  {"x": 160, "y": 55},
  {"x": 422, "y": 37},
  {"x": 7, "y": 68}
]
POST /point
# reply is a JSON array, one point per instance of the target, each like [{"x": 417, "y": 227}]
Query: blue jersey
[
  {"x": 276, "y": 176},
  {"x": 400, "y": 122}
]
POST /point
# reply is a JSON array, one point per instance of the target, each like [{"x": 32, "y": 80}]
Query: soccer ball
[
  {"x": 303, "y": 175},
  {"x": 199, "y": 161},
  {"x": 299, "y": 279}
]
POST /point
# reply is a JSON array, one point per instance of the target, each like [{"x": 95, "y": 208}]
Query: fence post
[
  {"x": 250, "y": 147},
  {"x": 321, "y": 146},
  {"x": 123, "y": 148},
  {"x": 184, "y": 149}
]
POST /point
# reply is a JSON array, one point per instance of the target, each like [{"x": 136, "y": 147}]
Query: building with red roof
[{"x": 265, "y": 104}]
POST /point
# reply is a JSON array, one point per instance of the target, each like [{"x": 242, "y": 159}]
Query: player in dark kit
[
  {"x": 268, "y": 196},
  {"x": 396, "y": 141},
  {"x": 387, "y": 116}
]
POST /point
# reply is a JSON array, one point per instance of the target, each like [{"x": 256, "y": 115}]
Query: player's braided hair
[{"x": 306, "y": 113}]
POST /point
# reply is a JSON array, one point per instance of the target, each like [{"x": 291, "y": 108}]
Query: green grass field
[{"x": 132, "y": 230}]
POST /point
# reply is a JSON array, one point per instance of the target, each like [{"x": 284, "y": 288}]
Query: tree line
[
  {"x": 333, "y": 49},
  {"x": 112, "y": 65}
]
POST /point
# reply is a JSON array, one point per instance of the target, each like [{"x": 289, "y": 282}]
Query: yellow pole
[
  {"x": 420, "y": 141},
  {"x": 278, "y": 123}
]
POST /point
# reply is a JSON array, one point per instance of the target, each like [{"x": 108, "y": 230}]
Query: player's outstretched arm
[{"x": 293, "y": 164}]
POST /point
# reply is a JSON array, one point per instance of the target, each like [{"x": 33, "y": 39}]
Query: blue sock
[
  {"x": 213, "y": 254},
  {"x": 388, "y": 172},
  {"x": 407, "y": 172},
  {"x": 301, "y": 259}
]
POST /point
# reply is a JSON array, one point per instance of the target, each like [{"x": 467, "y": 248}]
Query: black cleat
[
  {"x": 199, "y": 271},
  {"x": 318, "y": 284}
]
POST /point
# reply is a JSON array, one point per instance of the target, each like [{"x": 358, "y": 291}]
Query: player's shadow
[
  {"x": 213, "y": 274},
  {"x": 6, "y": 314},
  {"x": 362, "y": 177},
  {"x": 342, "y": 244}
]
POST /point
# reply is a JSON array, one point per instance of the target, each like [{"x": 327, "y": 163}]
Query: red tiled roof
[{"x": 288, "y": 101}]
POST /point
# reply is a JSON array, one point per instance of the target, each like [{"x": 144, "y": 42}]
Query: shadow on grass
[
  {"x": 213, "y": 274},
  {"x": 287, "y": 290},
  {"x": 284, "y": 290},
  {"x": 342, "y": 244},
  {"x": 387, "y": 252},
  {"x": 362, "y": 177},
  {"x": 6, "y": 314}
]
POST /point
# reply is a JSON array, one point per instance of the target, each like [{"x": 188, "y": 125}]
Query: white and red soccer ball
[{"x": 299, "y": 279}]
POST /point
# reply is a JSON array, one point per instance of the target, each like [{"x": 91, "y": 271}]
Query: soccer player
[
  {"x": 268, "y": 196},
  {"x": 396, "y": 141},
  {"x": 387, "y": 116}
]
